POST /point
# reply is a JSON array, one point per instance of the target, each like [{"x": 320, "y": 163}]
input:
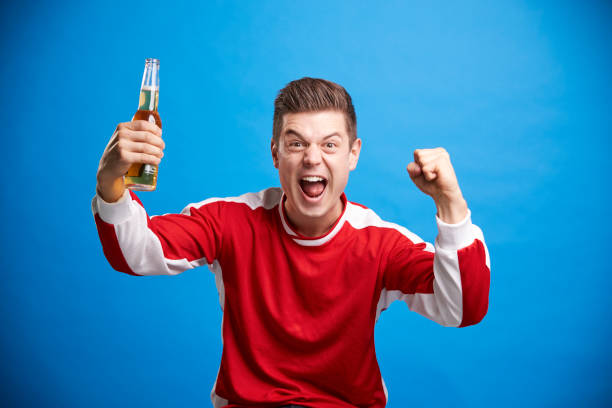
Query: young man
[{"x": 302, "y": 273}]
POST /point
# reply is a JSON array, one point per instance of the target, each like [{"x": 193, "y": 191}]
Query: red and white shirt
[{"x": 299, "y": 312}]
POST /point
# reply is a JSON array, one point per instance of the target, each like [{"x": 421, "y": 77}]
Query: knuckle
[{"x": 122, "y": 134}]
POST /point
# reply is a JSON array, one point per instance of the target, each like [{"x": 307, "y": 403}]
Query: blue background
[{"x": 518, "y": 92}]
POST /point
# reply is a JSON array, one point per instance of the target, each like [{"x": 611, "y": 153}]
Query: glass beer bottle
[{"x": 143, "y": 177}]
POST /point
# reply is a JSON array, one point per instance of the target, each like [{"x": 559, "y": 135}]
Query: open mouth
[{"x": 313, "y": 186}]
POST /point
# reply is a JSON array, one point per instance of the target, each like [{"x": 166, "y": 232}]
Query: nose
[{"x": 312, "y": 155}]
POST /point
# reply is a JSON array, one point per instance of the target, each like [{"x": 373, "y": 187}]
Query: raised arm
[
  {"x": 132, "y": 241},
  {"x": 449, "y": 281}
]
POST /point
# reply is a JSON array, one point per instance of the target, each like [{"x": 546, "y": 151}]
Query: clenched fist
[
  {"x": 138, "y": 141},
  {"x": 433, "y": 173}
]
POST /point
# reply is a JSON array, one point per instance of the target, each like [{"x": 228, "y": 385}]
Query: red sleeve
[
  {"x": 168, "y": 244},
  {"x": 447, "y": 282}
]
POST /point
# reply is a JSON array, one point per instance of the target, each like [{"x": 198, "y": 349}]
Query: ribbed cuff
[
  {"x": 114, "y": 213},
  {"x": 455, "y": 236}
]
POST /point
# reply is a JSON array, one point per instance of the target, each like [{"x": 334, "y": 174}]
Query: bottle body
[{"x": 143, "y": 177}]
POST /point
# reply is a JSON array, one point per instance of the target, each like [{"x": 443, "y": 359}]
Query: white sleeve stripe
[
  {"x": 267, "y": 199},
  {"x": 444, "y": 306},
  {"x": 180, "y": 265},
  {"x": 455, "y": 236},
  {"x": 140, "y": 246},
  {"x": 113, "y": 213},
  {"x": 360, "y": 218},
  {"x": 215, "y": 267}
]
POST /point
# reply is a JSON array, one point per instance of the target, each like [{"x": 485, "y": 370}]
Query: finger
[
  {"x": 146, "y": 125},
  {"x": 429, "y": 160},
  {"x": 435, "y": 151},
  {"x": 426, "y": 156},
  {"x": 145, "y": 137},
  {"x": 430, "y": 171},
  {"x": 436, "y": 163},
  {"x": 141, "y": 125},
  {"x": 423, "y": 156},
  {"x": 135, "y": 157},
  {"x": 431, "y": 152},
  {"x": 137, "y": 147},
  {"x": 414, "y": 170}
]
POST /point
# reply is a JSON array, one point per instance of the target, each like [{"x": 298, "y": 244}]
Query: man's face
[{"x": 313, "y": 158}]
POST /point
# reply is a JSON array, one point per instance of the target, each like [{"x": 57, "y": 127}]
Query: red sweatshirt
[{"x": 299, "y": 312}]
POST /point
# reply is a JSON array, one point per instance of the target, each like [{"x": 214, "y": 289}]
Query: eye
[
  {"x": 330, "y": 146},
  {"x": 295, "y": 145}
]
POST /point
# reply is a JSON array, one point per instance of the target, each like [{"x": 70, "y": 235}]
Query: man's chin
[{"x": 308, "y": 208}]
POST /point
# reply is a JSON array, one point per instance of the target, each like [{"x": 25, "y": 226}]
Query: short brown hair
[{"x": 312, "y": 95}]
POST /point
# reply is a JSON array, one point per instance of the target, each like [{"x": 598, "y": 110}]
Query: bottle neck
[
  {"x": 149, "y": 98},
  {"x": 149, "y": 90}
]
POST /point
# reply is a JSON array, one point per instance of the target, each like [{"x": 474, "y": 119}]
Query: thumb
[{"x": 414, "y": 170}]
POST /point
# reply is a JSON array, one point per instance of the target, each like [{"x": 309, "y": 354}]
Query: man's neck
[{"x": 313, "y": 226}]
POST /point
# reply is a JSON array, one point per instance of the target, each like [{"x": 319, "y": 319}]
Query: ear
[
  {"x": 354, "y": 154},
  {"x": 274, "y": 150}
]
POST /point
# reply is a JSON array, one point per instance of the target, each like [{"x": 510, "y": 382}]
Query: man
[{"x": 303, "y": 274}]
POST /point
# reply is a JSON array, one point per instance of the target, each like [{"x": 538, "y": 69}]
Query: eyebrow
[{"x": 295, "y": 133}]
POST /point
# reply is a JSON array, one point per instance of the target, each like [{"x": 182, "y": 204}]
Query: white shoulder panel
[{"x": 267, "y": 199}]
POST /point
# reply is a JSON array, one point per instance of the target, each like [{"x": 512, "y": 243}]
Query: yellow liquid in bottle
[{"x": 143, "y": 177}]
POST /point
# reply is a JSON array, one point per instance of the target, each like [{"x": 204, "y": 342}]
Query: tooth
[{"x": 312, "y": 178}]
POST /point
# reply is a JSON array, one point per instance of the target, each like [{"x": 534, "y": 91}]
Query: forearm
[
  {"x": 451, "y": 209},
  {"x": 110, "y": 190}
]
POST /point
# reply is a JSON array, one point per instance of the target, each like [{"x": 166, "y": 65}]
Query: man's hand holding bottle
[{"x": 133, "y": 142}]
